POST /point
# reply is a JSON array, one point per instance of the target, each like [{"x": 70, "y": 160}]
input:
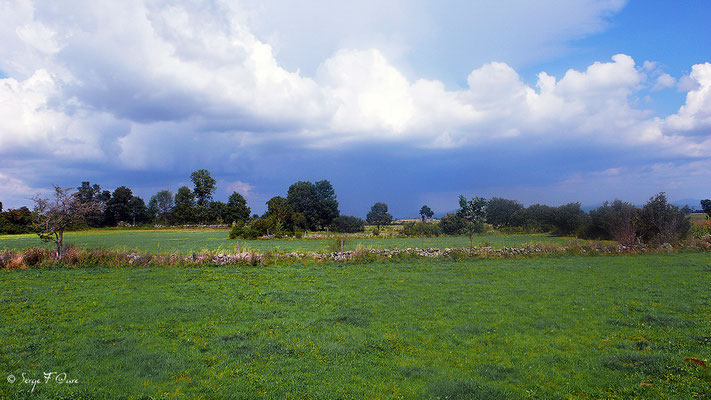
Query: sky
[{"x": 407, "y": 102}]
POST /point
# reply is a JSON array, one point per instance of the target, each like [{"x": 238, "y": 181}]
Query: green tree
[
  {"x": 118, "y": 207},
  {"x": 279, "y": 207},
  {"x": 426, "y": 212},
  {"x": 204, "y": 186},
  {"x": 184, "y": 209},
  {"x": 539, "y": 218},
  {"x": 152, "y": 209},
  {"x": 137, "y": 210},
  {"x": 326, "y": 204},
  {"x": 474, "y": 209},
  {"x": 452, "y": 224},
  {"x": 303, "y": 198},
  {"x": 705, "y": 206},
  {"x": 15, "y": 221},
  {"x": 347, "y": 224},
  {"x": 237, "y": 209},
  {"x": 617, "y": 220},
  {"x": 503, "y": 212},
  {"x": 279, "y": 219},
  {"x": 315, "y": 201},
  {"x": 379, "y": 215},
  {"x": 570, "y": 219},
  {"x": 663, "y": 222},
  {"x": 217, "y": 212},
  {"x": 88, "y": 192},
  {"x": 162, "y": 203}
]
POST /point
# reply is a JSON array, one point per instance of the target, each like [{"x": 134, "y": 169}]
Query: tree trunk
[{"x": 59, "y": 239}]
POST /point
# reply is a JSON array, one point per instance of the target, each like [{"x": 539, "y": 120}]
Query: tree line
[
  {"x": 121, "y": 207},
  {"x": 655, "y": 222},
  {"x": 313, "y": 206}
]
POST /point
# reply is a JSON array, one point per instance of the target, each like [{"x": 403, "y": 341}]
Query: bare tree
[{"x": 63, "y": 211}]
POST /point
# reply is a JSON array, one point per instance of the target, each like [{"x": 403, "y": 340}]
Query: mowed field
[
  {"x": 549, "y": 328},
  {"x": 216, "y": 240}
]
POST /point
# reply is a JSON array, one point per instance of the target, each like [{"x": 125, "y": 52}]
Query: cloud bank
[{"x": 151, "y": 85}]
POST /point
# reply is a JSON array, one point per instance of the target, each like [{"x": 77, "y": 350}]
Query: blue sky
[{"x": 405, "y": 102}]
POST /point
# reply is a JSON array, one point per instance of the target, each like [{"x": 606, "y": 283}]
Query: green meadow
[
  {"x": 216, "y": 240},
  {"x": 569, "y": 327}
]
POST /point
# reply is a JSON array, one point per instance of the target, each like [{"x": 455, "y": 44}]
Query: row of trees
[
  {"x": 313, "y": 206},
  {"x": 187, "y": 206},
  {"x": 656, "y": 222},
  {"x": 121, "y": 207}
]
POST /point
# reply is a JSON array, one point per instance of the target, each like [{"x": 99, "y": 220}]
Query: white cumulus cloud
[{"x": 143, "y": 84}]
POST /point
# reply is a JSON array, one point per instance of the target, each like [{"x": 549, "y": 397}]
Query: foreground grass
[
  {"x": 569, "y": 327},
  {"x": 187, "y": 241}
]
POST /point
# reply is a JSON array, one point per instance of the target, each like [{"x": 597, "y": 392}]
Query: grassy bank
[{"x": 578, "y": 327}]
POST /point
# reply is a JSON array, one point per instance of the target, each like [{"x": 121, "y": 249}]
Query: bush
[
  {"x": 617, "y": 220},
  {"x": 452, "y": 224},
  {"x": 236, "y": 230},
  {"x": 16, "y": 221},
  {"x": 504, "y": 213},
  {"x": 348, "y": 224},
  {"x": 570, "y": 219},
  {"x": 538, "y": 218},
  {"x": 262, "y": 225},
  {"x": 249, "y": 233},
  {"x": 239, "y": 230},
  {"x": 375, "y": 232},
  {"x": 421, "y": 229},
  {"x": 663, "y": 222}
]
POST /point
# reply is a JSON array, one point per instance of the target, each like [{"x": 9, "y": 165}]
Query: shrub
[
  {"x": 421, "y": 229},
  {"x": 263, "y": 226},
  {"x": 570, "y": 219},
  {"x": 663, "y": 222},
  {"x": 375, "y": 232},
  {"x": 348, "y": 224},
  {"x": 617, "y": 220},
  {"x": 239, "y": 230},
  {"x": 249, "y": 233},
  {"x": 538, "y": 218},
  {"x": 34, "y": 256},
  {"x": 236, "y": 230},
  {"x": 16, "y": 221},
  {"x": 452, "y": 224},
  {"x": 504, "y": 213}
]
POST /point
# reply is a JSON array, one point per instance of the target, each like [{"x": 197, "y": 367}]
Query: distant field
[
  {"x": 186, "y": 241},
  {"x": 698, "y": 216},
  {"x": 568, "y": 327}
]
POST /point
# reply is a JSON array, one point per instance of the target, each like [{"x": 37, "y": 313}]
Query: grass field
[
  {"x": 186, "y": 241},
  {"x": 558, "y": 328}
]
